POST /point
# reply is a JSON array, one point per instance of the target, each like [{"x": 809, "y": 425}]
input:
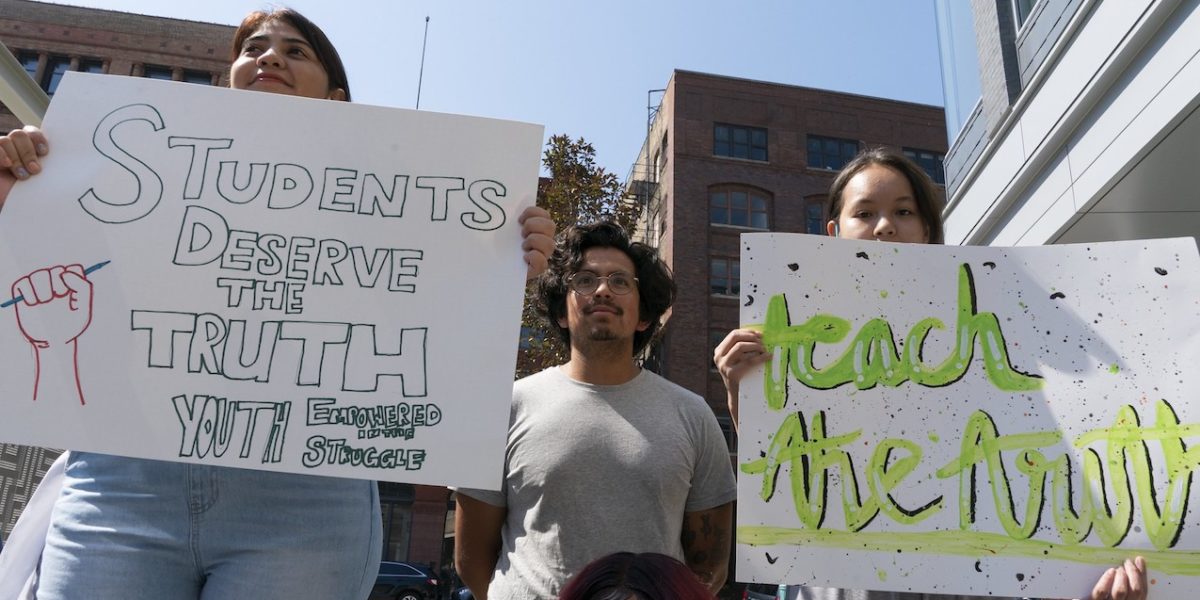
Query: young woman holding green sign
[
  {"x": 132, "y": 528},
  {"x": 882, "y": 195}
]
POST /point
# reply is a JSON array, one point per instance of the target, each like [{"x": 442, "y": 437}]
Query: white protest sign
[
  {"x": 271, "y": 282},
  {"x": 970, "y": 420}
]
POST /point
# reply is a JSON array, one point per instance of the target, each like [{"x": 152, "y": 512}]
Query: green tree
[{"x": 577, "y": 190}]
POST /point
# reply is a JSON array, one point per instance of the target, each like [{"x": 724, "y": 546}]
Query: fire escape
[{"x": 642, "y": 183}]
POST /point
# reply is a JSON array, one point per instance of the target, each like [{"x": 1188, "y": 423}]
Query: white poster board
[
  {"x": 970, "y": 420},
  {"x": 275, "y": 283}
]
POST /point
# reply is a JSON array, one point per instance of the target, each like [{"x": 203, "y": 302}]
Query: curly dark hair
[
  {"x": 656, "y": 288},
  {"x": 645, "y": 576}
]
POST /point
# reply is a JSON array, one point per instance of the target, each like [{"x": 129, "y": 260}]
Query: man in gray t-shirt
[{"x": 602, "y": 456}]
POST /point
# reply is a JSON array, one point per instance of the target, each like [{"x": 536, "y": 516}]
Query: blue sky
[{"x": 583, "y": 68}]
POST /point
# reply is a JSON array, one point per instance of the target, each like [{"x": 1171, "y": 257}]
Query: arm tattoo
[{"x": 703, "y": 544}]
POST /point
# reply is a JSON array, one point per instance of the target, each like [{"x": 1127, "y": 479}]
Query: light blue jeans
[{"x": 130, "y": 528}]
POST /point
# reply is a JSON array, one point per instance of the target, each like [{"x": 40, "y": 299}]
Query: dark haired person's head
[
  {"x": 281, "y": 51},
  {"x": 629, "y": 576},
  {"x": 649, "y": 282},
  {"x": 883, "y": 195}
]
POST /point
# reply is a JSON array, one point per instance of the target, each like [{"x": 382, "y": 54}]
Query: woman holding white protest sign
[
  {"x": 132, "y": 528},
  {"x": 882, "y": 195}
]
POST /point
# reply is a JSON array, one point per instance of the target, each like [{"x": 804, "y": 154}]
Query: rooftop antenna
[{"x": 421, "y": 74}]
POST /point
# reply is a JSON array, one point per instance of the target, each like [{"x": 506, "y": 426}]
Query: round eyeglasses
[{"x": 586, "y": 283}]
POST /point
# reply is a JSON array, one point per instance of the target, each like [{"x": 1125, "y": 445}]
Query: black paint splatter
[
  {"x": 863, "y": 255},
  {"x": 978, "y": 568},
  {"x": 1057, "y": 295},
  {"x": 1020, "y": 577},
  {"x": 794, "y": 266},
  {"x": 989, "y": 264},
  {"x": 749, "y": 300},
  {"x": 771, "y": 559},
  {"x": 1160, "y": 270}
]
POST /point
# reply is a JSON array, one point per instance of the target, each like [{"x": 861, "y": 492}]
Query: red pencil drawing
[{"x": 54, "y": 311}]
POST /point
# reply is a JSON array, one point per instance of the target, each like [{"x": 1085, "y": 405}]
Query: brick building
[
  {"x": 50, "y": 39},
  {"x": 726, "y": 156}
]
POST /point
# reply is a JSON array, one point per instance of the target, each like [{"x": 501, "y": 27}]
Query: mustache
[{"x": 598, "y": 303}]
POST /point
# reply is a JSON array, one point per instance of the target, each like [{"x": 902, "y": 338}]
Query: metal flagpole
[{"x": 421, "y": 74}]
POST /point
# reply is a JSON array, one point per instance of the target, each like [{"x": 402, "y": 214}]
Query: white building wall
[{"x": 1115, "y": 89}]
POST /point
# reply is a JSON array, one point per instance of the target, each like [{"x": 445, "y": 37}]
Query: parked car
[{"x": 404, "y": 581}]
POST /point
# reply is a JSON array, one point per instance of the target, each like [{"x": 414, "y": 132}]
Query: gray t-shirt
[{"x": 594, "y": 469}]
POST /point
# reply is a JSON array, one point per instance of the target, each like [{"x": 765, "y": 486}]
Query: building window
[
  {"x": 1021, "y": 10},
  {"x": 656, "y": 223},
  {"x": 55, "y": 68},
  {"x": 740, "y": 142},
  {"x": 830, "y": 153},
  {"x": 961, "y": 84},
  {"x": 91, "y": 65},
  {"x": 724, "y": 276},
  {"x": 726, "y": 423},
  {"x": 200, "y": 77},
  {"x": 740, "y": 206},
  {"x": 930, "y": 161},
  {"x": 29, "y": 60},
  {"x": 715, "y": 337},
  {"x": 814, "y": 218},
  {"x": 157, "y": 72},
  {"x": 663, "y": 148},
  {"x": 397, "y": 530}
]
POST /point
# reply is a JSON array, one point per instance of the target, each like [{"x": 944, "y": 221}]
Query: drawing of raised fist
[{"x": 54, "y": 309}]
